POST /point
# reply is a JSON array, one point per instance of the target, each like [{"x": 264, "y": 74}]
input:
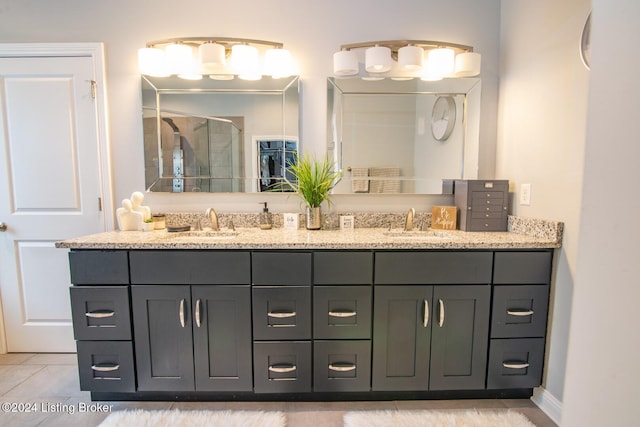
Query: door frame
[{"x": 96, "y": 52}]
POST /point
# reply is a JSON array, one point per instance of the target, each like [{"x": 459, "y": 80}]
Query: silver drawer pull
[
  {"x": 100, "y": 314},
  {"x": 342, "y": 313},
  {"x": 518, "y": 312},
  {"x": 181, "y": 313},
  {"x": 425, "y": 320},
  {"x": 198, "y": 312},
  {"x": 441, "y": 321},
  {"x": 282, "y": 369},
  {"x": 342, "y": 367},
  {"x": 105, "y": 368},
  {"x": 281, "y": 315},
  {"x": 515, "y": 365}
]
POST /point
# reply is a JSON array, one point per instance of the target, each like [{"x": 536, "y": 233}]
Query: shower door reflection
[{"x": 274, "y": 157}]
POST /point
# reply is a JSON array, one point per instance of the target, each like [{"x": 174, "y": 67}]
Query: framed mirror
[
  {"x": 218, "y": 135},
  {"x": 402, "y": 136}
]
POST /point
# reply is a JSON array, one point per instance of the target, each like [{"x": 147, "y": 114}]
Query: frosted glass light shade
[
  {"x": 410, "y": 58},
  {"x": 468, "y": 64},
  {"x": 179, "y": 58},
  {"x": 151, "y": 61},
  {"x": 277, "y": 63},
  {"x": 211, "y": 56},
  {"x": 441, "y": 62},
  {"x": 378, "y": 59},
  {"x": 245, "y": 60},
  {"x": 345, "y": 63}
]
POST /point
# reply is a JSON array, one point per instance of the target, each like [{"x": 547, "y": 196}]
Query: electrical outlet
[{"x": 525, "y": 194}]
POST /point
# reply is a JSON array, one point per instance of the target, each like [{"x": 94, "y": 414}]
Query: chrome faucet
[
  {"x": 211, "y": 213},
  {"x": 408, "y": 222}
]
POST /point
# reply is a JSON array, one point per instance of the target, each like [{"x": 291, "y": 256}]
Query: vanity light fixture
[
  {"x": 218, "y": 57},
  {"x": 402, "y": 59}
]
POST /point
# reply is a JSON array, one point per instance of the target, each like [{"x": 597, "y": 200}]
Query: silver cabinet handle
[
  {"x": 425, "y": 320},
  {"x": 282, "y": 315},
  {"x": 198, "y": 312},
  {"x": 105, "y": 368},
  {"x": 282, "y": 369},
  {"x": 3, "y": 227},
  {"x": 515, "y": 365},
  {"x": 181, "y": 313},
  {"x": 519, "y": 312},
  {"x": 441, "y": 321},
  {"x": 342, "y": 313},
  {"x": 342, "y": 368},
  {"x": 100, "y": 314}
]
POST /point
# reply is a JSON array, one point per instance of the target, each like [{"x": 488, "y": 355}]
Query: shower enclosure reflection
[{"x": 199, "y": 153}]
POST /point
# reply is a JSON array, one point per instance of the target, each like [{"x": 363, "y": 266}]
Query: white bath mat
[
  {"x": 176, "y": 418},
  {"x": 424, "y": 418}
]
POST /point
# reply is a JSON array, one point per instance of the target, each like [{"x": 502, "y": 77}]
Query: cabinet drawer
[
  {"x": 281, "y": 268},
  {"x": 487, "y": 215},
  {"x": 100, "y": 312},
  {"x": 342, "y": 365},
  {"x": 519, "y": 311},
  {"x": 106, "y": 366},
  {"x": 489, "y": 208},
  {"x": 99, "y": 267},
  {"x": 488, "y": 224},
  {"x": 515, "y": 363},
  {"x": 483, "y": 185},
  {"x": 282, "y": 367},
  {"x": 512, "y": 268},
  {"x": 342, "y": 268},
  {"x": 424, "y": 268},
  {"x": 190, "y": 267},
  {"x": 342, "y": 312},
  {"x": 282, "y": 313}
]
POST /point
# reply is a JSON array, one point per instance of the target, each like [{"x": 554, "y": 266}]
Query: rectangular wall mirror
[
  {"x": 218, "y": 135},
  {"x": 402, "y": 136}
]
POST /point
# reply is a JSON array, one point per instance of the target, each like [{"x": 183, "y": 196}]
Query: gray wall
[
  {"x": 541, "y": 138},
  {"x": 602, "y": 379},
  {"x": 312, "y": 31}
]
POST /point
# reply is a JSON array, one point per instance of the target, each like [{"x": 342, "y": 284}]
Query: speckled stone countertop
[{"x": 524, "y": 233}]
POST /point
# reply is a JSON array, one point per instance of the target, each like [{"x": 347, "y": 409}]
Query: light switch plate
[{"x": 525, "y": 194}]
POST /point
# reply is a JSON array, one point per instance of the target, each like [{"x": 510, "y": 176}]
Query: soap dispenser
[{"x": 265, "y": 218}]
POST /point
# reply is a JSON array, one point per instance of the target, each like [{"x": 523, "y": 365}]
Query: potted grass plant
[{"x": 313, "y": 182}]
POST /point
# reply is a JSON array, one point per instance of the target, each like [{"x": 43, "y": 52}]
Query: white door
[{"x": 50, "y": 189}]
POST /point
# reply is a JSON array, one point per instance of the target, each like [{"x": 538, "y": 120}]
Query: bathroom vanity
[{"x": 265, "y": 315}]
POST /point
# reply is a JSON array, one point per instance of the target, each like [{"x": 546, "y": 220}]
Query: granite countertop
[{"x": 527, "y": 234}]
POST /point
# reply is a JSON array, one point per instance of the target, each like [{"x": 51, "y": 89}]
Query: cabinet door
[
  {"x": 401, "y": 337},
  {"x": 460, "y": 334},
  {"x": 222, "y": 338},
  {"x": 164, "y": 344}
]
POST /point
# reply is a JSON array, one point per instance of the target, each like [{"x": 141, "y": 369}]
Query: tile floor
[{"x": 49, "y": 382}]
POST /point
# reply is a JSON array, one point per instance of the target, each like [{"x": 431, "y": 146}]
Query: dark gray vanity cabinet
[
  {"x": 231, "y": 323},
  {"x": 431, "y": 337},
  {"x": 192, "y": 336},
  {"x": 281, "y": 321},
  {"x": 100, "y": 310},
  {"x": 401, "y": 338},
  {"x": 342, "y": 313},
  {"x": 519, "y": 318}
]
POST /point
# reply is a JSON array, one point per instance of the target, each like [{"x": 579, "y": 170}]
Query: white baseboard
[{"x": 548, "y": 404}]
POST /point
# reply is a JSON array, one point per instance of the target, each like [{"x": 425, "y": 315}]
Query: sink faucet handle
[{"x": 231, "y": 226}]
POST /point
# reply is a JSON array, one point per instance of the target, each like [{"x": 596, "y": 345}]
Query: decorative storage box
[{"x": 482, "y": 204}]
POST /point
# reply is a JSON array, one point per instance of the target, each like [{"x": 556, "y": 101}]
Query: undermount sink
[
  {"x": 222, "y": 234},
  {"x": 420, "y": 234}
]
